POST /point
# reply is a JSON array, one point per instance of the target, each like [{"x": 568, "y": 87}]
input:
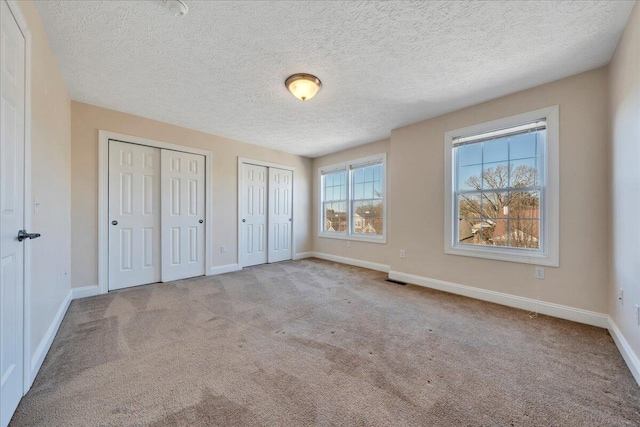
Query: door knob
[
  {"x": 114, "y": 222},
  {"x": 289, "y": 219},
  {"x": 244, "y": 220},
  {"x": 22, "y": 234},
  {"x": 201, "y": 221}
]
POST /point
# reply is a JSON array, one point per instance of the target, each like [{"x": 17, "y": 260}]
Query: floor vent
[{"x": 396, "y": 282}]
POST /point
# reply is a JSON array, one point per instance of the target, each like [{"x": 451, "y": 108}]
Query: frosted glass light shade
[{"x": 303, "y": 86}]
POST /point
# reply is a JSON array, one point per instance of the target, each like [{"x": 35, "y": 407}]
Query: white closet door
[
  {"x": 12, "y": 110},
  {"x": 183, "y": 215},
  {"x": 253, "y": 205},
  {"x": 134, "y": 215},
  {"x": 280, "y": 215}
]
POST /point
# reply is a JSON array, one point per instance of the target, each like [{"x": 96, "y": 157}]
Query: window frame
[
  {"x": 348, "y": 166},
  {"x": 548, "y": 254}
]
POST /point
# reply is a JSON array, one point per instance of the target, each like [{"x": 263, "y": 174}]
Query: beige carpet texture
[{"x": 315, "y": 343}]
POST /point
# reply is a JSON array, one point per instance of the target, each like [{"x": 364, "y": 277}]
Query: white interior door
[
  {"x": 134, "y": 215},
  {"x": 12, "y": 110},
  {"x": 183, "y": 193},
  {"x": 280, "y": 215},
  {"x": 253, "y": 206}
]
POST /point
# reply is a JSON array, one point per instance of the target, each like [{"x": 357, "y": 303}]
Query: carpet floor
[{"x": 312, "y": 342}]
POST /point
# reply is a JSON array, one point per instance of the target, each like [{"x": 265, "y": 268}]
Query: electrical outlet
[
  {"x": 539, "y": 273},
  {"x": 403, "y": 253},
  {"x": 348, "y": 243},
  {"x": 223, "y": 249},
  {"x": 638, "y": 314},
  {"x": 621, "y": 296}
]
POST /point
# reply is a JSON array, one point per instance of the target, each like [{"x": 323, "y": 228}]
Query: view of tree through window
[
  {"x": 367, "y": 208},
  {"x": 498, "y": 190}
]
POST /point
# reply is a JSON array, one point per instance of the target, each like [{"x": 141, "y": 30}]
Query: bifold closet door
[
  {"x": 134, "y": 215},
  {"x": 253, "y": 205},
  {"x": 183, "y": 228},
  {"x": 280, "y": 215}
]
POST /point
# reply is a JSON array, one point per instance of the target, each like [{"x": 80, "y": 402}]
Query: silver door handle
[{"x": 22, "y": 235}]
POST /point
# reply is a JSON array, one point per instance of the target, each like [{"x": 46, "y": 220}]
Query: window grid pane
[
  {"x": 367, "y": 209},
  {"x": 334, "y": 203},
  {"x": 490, "y": 212},
  {"x": 352, "y": 200}
]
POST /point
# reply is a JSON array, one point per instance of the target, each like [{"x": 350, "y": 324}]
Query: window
[
  {"x": 353, "y": 200},
  {"x": 502, "y": 188},
  {"x": 334, "y": 187}
]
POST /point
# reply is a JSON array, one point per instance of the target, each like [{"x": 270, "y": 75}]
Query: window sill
[
  {"x": 513, "y": 255},
  {"x": 377, "y": 239}
]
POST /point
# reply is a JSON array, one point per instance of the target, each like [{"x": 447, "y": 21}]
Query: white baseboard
[
  {"x": 43, "y": 348},
  {"x": 228, "y": 268},
  {"x": 550, "y": 309},
  {"x": 633, "y": 362},
  {"x": 351, "y": 261},
  {"x": 83, "y": 292},
  {"x": 303, "y": 255}
]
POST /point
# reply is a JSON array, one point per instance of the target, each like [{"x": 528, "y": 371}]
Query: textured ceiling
[{"x": 221, "y": 68}]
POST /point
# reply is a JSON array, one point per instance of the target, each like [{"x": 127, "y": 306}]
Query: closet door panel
[
  {"x": 183, "y": 214},
  {"x": 134, "y": 215},
  {"x": 253, "y": 208},
  {"x": 280, "y": 214}
]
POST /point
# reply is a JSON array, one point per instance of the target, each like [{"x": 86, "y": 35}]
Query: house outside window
[
  {"x": 353, "y": 200},
  {"x": 502, "y": 189}
]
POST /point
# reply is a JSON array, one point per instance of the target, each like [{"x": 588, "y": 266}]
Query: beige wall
[
  {"x": 372, "y": 252},
  {"x": 624, "y": 84},
  {"x": 85, "y": 123},
  {"x": 415, "y": 182},
  {"x": 417, "y": 197},
  {"x": 50, "y": 181}
]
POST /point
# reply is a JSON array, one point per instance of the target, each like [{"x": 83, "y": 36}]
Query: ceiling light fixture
[
  {"x": 303, "y": 86},
  {"x": 178, "y": 7}
]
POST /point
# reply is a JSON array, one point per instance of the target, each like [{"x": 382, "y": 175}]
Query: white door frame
[
  {"x": 103, "y": 198},
  {"x": 26, "y": 357},
  {"x": 243, "y": 160}
]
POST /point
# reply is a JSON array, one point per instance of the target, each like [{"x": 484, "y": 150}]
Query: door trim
[
  {"x": 103, "y": 198},
  {"x": 27, "y": 377},
  {"x": 244, "y": 160}
]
